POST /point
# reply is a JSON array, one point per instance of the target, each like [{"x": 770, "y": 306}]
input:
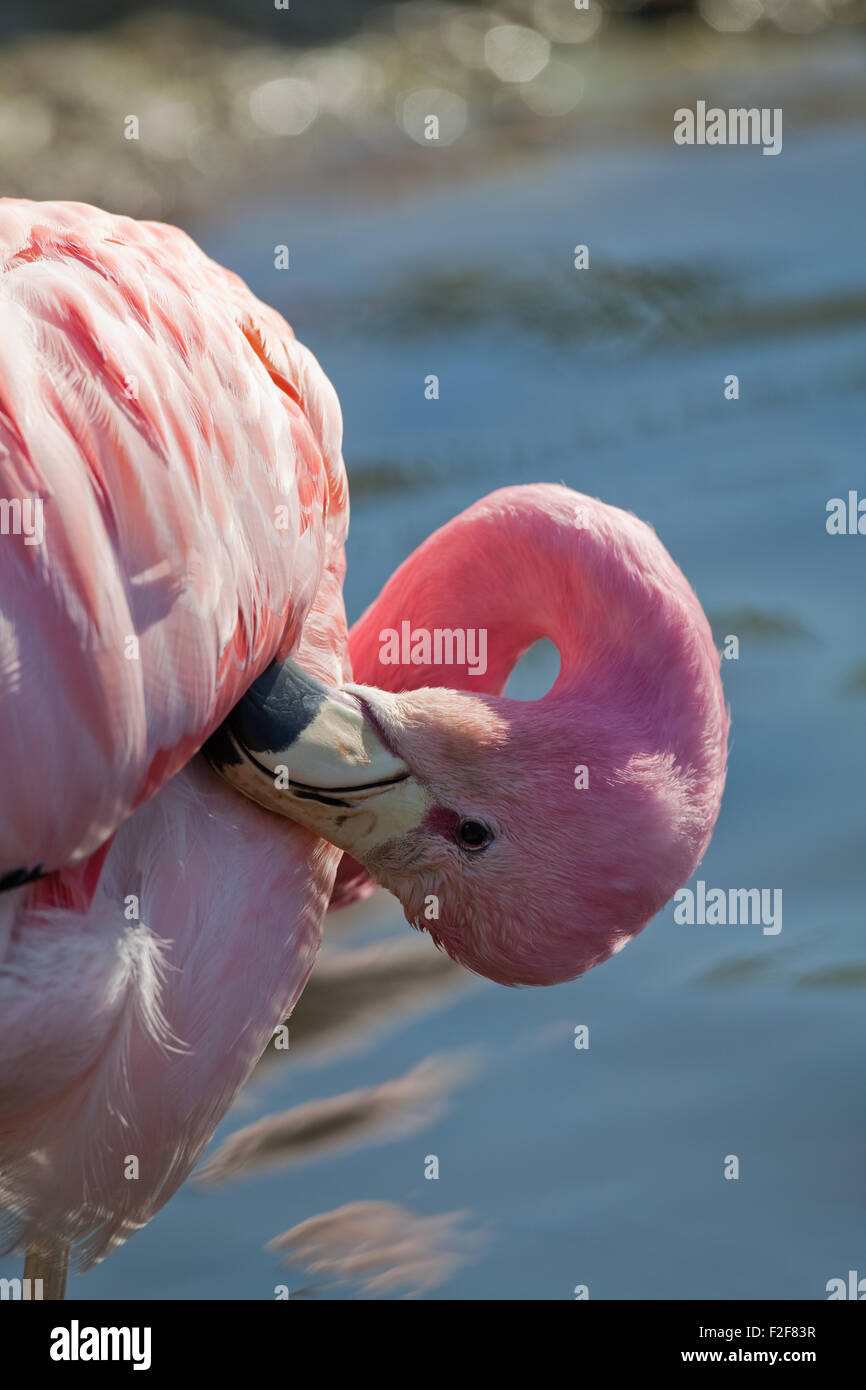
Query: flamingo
[{"x": 187, "y": 757}]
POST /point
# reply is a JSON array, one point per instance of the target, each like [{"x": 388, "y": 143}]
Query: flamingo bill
[{"x": 310, "y": 753}]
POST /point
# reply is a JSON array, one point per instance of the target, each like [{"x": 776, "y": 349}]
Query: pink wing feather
[{"x": 186, "y": 450}]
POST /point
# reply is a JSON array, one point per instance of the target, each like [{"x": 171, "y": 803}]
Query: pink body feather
[{"x": 164, "y": 415}]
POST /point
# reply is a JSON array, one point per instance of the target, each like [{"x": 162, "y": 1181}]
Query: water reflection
[
  {"x": 353, "y": 995},
  {"x": 381, "y": 1248},
  {"x": 343, "y": 1123}
]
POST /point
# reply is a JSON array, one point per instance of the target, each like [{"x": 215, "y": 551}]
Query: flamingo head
[
  {"x": 530, "y": 839},
  {"x": 539, "y": 846}
]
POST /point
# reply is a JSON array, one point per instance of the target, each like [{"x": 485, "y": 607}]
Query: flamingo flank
[{"x": 188, "y": 594}]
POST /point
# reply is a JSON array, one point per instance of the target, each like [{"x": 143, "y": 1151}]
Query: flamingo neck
[{"x": 543, "y": 561}]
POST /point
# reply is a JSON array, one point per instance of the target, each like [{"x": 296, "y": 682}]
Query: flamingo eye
[{"x": 472, "y": 834}]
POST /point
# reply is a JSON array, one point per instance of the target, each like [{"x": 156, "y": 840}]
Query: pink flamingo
[{"x": 185, "y": 592}]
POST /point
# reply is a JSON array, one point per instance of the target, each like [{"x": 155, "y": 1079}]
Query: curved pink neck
[{"x": 542, "y": 561}]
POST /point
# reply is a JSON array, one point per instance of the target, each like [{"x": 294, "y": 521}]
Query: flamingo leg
[{"x": 48, "y": 1261}]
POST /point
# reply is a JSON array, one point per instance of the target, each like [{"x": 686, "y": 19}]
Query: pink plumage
[
  {"x": 186, "y": 451},
  {"x": 574, "y": 872},
  {"x": 163, "y": 416}
]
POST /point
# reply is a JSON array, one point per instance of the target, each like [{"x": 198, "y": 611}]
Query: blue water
[{"x": 604, "y": 1167}]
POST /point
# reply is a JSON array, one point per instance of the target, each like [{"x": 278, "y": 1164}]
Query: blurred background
[{"x": 304, "y": 127}]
